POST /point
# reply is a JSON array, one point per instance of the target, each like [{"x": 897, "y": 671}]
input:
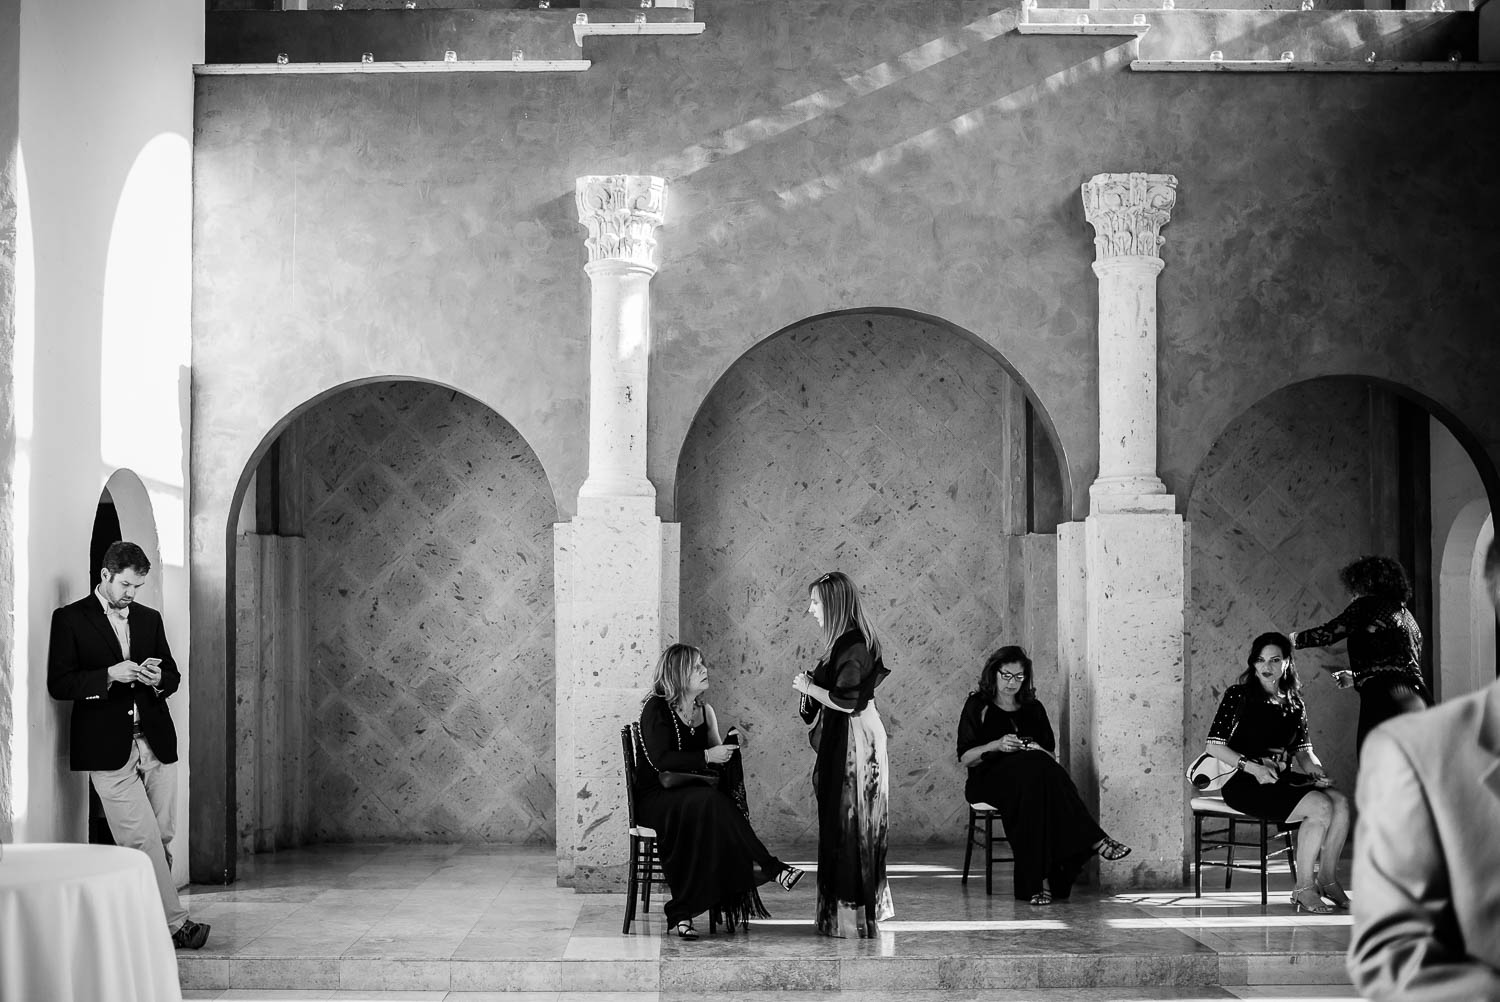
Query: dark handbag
[
  {"x": 672, "y": 780},
  {"x": 815, "y": 732}
]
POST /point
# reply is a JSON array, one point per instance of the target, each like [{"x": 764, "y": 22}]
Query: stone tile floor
[{"x": 475, "y": 923}]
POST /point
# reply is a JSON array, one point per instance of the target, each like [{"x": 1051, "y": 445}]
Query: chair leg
[
  {"x": 969, "y": 846},
  {"x": 650, "y": 856},
  {"x": 989, "y": 854},
  {"x": 630, "y": 882},
  {"x": 1229, "y": 855},
  {"x": 1265, "y": 861},
  {"x": 1291, "y": 853},
  {"x": 1197, "y": 855}
]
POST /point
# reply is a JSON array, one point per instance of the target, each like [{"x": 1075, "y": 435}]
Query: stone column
[
  {"x": 1129, "y": 698},
  {"x": 1127, "y": 212},
  {"x": 616, "y": 563},
  {"x": 622, "y": 213}
]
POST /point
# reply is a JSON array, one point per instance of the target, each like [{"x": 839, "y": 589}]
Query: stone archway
[
  {"x": 393, "y": 626},
  {"x": 899, "y": 450},
  {"x": 1466, "y": 620},
  {"x": 1308, "y": 478}
]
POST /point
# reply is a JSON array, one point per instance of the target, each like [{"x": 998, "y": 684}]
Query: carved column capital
[
  {"x": 1127, "y": 212},
  {"x": 622, "y": 212}
]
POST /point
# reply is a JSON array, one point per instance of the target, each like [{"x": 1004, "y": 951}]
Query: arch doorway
[
  {"x": 904, "y": 452},
  {"x": 393, "y": 626},
  {"x": 1306, "y": 480},
  {"x": 1466, "y": 619}
]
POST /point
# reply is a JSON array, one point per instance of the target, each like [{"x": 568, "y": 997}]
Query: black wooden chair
[
  {"x": 1260, "y": 837},
  {"x": 645, "y": 865},
  {"x": 990, "y": 817}
]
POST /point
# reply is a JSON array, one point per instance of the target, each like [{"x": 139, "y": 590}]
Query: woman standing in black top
[
  {"x": 851, "y": 775},
  {"x": 1005, "y": 740},
  {"x": 712, "y": 857},
  {"x": 1385, "y": 643},
  {"x": 1261, "y": 730}
]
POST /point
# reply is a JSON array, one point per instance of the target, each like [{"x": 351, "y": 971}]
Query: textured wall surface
[
  {"x": 875, "y": 446},
  {"x": 1281, "y": 503},
  {"x": 828, "y": 155},
  {"x": 429, "y": 538}
]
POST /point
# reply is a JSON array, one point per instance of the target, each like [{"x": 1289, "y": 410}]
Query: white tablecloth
[{"x": 85, "y": 923}]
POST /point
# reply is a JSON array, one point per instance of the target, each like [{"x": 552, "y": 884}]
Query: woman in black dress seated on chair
[
  {"x": 1261, "y": 730},
  {"x": 1005, "y": 740},
  {"x": 690, "y": 788}
]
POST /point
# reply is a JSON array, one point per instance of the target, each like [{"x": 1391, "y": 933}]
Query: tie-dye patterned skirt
[{"x": 851, "y": 778}]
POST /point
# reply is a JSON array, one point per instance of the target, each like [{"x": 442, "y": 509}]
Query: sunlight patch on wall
[{"x": 146, "y": 319}]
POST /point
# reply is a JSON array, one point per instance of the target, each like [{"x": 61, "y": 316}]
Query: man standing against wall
[
  {"x": 1426, "y": 893},
  {"x": 110, "y": 657}
]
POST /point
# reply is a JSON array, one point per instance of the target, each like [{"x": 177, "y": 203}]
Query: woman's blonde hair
[
  {"x": 841, "y": 610},
  {"x": 673, "y": 669}
]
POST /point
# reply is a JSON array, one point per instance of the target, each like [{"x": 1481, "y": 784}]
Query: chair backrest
[{"x": 627, "y": 746}]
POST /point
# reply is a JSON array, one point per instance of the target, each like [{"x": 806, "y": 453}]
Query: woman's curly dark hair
[
  {"x": 1011, "y": 655},
  {"x": 1379, "y": 577}
]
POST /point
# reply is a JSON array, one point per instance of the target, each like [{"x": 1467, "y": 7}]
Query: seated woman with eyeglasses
[
  {"x": 1006, "y": 742},
  {"x": 1261, "y": 730},
  {"x": 689, "y": 787}
]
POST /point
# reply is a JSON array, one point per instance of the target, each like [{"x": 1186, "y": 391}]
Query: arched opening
[
  {"x": 1309, "y": 478},
  {"x": 392, "y": 626},
  {"x": 905, "y": 453},
  {"x": 1466, "y": 619}
]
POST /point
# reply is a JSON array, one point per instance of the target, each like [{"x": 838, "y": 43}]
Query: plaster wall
[
  {"x": 1282, "y": 501},
  {"x": 826, "y": 156},
  {"x": 879, "y": 446},
  {"x": 429, "y": 552},
  {"x": 98, "y": 375},
  {"x": 12, "y": 740}
]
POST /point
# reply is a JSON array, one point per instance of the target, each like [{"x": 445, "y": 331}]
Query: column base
[{"x": 1112, "y": 495}]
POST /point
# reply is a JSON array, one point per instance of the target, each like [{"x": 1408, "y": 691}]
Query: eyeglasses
[{"x": 1011, "y": 676}]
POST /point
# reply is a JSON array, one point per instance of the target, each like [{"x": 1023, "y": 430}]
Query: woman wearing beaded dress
[
  {"x": 1005, "y": 741},
  {"x": 712, "y": 857},
  {"x": 1260, "y": 730},
  {"x": 851, "y": 771},
  {"x": 1385, "y": 643}
]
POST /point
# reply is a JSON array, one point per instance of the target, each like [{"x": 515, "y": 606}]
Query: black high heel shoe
[
  {"x": 788, "y": 878},
  {"x": 685, "y": 930},
  {"x": 1111, "y": 850}
]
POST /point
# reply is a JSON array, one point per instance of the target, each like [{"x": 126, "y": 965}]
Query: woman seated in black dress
[
  {"x": 1261, "y": 730},
  {"x": 1005, "y": 740},
  {"x": 690, "y": 788}
]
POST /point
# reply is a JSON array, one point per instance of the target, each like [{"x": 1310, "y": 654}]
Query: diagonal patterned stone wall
[
  {"x": 430, "y": 548},
  {"x": 875, "y": 445},
  {"x": 1281, "y": 502}
]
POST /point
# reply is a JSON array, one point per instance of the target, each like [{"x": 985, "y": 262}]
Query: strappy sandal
[
  {"x": 1306, "y": 898},
  {"x": 1334, "y": 892},
  {"x": 1041, "y": 898},
  {"x": 1112, "y": 850},
  {"x": 685, "y": 930},
  {"x": 788, "y": 878}
]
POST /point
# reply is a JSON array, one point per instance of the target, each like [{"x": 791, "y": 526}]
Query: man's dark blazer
[{"x": 82, "y": 647}]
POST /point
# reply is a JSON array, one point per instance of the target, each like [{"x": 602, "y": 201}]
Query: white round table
[{"x": 83, "y": 922}]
